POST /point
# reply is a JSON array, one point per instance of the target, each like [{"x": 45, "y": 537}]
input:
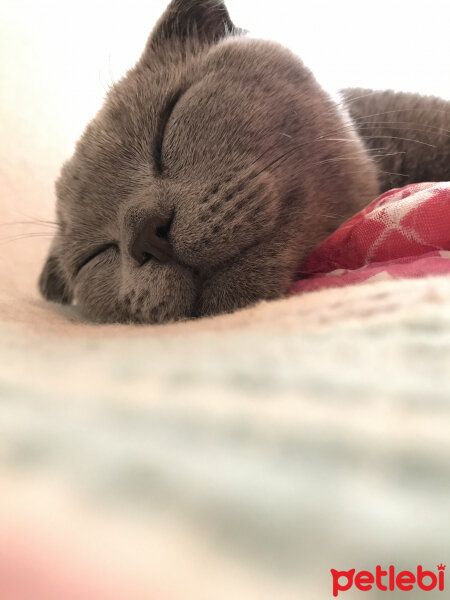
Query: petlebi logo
[{"x": 389, "y": 580}]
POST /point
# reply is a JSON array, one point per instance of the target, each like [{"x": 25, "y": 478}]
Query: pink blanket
[{"x": 403, "y": 233}]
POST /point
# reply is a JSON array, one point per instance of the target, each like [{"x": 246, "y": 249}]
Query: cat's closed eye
[
  {"x": 161, "y": 129},
  {"x": 96, "y": 253}
]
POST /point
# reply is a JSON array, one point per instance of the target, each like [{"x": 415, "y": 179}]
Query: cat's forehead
[
  {"x": 233, "y": 60},
  {"x": 114, "y": 155}
]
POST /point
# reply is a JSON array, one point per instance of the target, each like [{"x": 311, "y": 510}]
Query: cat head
[{"x": 193, "y": 191}]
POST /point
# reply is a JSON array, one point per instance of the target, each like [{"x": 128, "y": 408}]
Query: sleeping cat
[{"x": 215, "y": 166}]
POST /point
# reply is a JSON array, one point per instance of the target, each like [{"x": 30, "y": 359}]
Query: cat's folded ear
[
  {"x": 204, "y": 22},
  {"x": 52, "y": 281}
]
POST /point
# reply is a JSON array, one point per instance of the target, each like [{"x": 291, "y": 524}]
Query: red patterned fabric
[{"x": 403, "y": 233}]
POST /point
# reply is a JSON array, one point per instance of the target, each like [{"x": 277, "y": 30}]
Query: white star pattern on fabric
[{"x": 391, "y": 216}]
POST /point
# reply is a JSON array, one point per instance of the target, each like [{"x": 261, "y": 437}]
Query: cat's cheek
[
  {"x": 215, "y": 230},
  {"x": 94, "y": 292},
  {"x": 124, "y": 293},
  {"x": 263, "y": 272}
]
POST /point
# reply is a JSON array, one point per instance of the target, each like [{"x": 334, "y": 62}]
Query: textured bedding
[{"x": 243, "y": 458}]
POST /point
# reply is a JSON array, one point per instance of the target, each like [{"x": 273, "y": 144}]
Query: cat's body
[
  {"x": 211, "y": 171},
  {"x": 412, "y": 130}
]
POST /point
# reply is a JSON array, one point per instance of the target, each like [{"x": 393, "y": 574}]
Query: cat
[{"x": 215, "y": 166}]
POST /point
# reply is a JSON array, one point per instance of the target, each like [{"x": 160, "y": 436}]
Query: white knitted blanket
[{"x": 238, "y": 457}]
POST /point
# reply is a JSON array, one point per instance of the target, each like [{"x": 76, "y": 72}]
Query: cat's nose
[{"x": 152, "y": 241}]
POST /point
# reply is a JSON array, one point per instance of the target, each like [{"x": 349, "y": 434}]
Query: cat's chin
[{"x": 123, "y": 317}]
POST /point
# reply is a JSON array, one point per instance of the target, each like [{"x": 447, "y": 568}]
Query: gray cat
[{"x": 215, "y": 166}]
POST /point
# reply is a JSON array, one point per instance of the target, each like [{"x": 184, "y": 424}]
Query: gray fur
[
  {"x": 412, "y": 131},
  {"x": 257, "y": 165}
]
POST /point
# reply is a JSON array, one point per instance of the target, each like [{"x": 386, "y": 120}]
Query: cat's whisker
[
  {"x": 270, "y": 149},
  {"x": 385, "y": 172},
  {"x": 277, "y": 160},
  {"x": 391, "y": 112},
  {"x": 385, "y": 124},
  {"x": 342, "y": 158},
  {"x": 381, "y": 154},
  {"x": 374, "y": 136},
  {"x": 297, "y": 147},
  {"x": 404, "y": 126},
  {"x": 24, "y": 236},
  {"x": 26, "y": 223},
  {"x": 345, "y": 140},
  {"x": 345, "y": 102},
  {"x": 394, "y": 137},
  {"x": 352, "y": 126},
  {"x": 293, "y": 148},
  {"x": 368, "y": 150},
  {"x": 393, "y": 173}
]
